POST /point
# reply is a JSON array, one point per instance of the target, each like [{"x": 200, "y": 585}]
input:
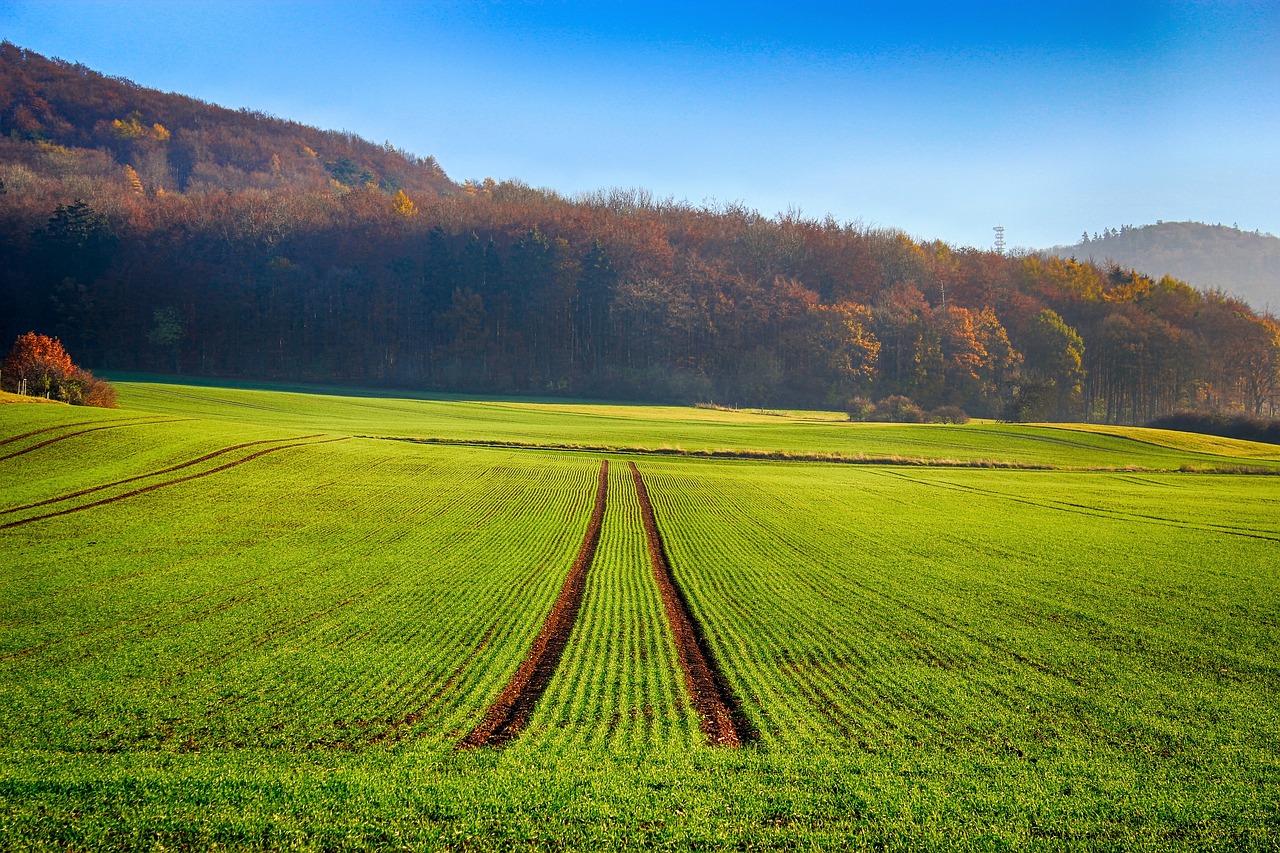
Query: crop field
[{"x": 254, "y": 618}]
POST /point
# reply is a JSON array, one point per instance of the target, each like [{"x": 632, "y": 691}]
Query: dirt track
[
  {"x": 722, "y": 720},
  {"x": 155, "y": 486},
  {"x": 47, "y": 442},
  {"x": 49, "y": 429},
  {"x": 168, "y": 470},
  {"x": 511, "y": 711}
]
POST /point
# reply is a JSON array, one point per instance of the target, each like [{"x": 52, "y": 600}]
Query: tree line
[{"x": 363, "y": 264}]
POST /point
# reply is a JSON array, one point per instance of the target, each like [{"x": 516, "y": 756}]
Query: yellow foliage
[
  {"x": 309, "y": 152},
  {"x": 404, "y": 205},
  {"x": 130, "y": 129},
  {"x": 159, "y": 132},
  {"x": 1129, "y": 289},
  {"x": 131, "y": 178},
  {"x": 486, "y": 188}
]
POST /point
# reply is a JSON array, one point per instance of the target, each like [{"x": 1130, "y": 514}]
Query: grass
[
  {"x": 285, "y": 652},
  {"x": 569, "y": 424},
  {"x": 6, "y": 397}
]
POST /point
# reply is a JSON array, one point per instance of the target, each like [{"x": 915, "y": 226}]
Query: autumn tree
[
  {"x": 39, "y": 365},
  {"x": 37, "y": 361}
]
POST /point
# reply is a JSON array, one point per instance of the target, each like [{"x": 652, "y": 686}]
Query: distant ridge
[
  {"x": 1245, "y": 264},
  {"x": 154, "y": 232}
]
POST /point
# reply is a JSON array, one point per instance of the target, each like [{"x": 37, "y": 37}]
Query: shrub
[
  {"x": 44, "y": 366},
  {"x": 1225, "y": 424},
  {"x": 949, "y": 415},
  {"x": 898, "y": 410},
  {"x": 859, "y": 408}
]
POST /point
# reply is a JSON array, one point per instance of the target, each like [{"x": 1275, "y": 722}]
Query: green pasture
[
  {"x": 692, "y": 429},
  {"x": 280, "y": 644}
]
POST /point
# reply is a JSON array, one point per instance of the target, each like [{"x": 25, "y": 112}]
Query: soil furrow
[
  {"x": 511, "y": 711},
  {"x": 47, "y": 442},
  {"x": 168, "y": 470},
  {"x": 722, "y": 719},
  {"x": 155, "y": 486},
  {"x": 14, "y": 438}
]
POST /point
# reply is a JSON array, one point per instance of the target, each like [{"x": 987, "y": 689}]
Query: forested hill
[
  {"x": 172, "y": 142},
  {"x": 155, "y": 232},
  {"x": 1246, "y": 264}
]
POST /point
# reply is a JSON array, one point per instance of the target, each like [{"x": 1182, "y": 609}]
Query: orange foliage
[{"x": 36, "y": 358}]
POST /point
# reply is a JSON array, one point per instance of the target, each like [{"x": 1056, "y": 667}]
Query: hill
[
  {"x": 159, "y": 233},
  {"x": 1245, "y": 264},
  {"x": 97, "y": 125}
]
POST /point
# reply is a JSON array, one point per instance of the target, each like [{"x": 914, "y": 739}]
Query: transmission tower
[{"x": 999, "y": 229}]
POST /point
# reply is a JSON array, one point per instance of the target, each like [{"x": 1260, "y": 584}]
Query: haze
[{"x": 939, "y": 119}]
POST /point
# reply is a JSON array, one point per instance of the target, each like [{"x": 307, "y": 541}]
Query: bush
[
  {"x": 40, "y": 366},
  {"x": 897, "y": 410},
  {"x": 859, "y": 408},
  {"x": 1225, "y": 424},
  {"x": 949, "y": 415}
]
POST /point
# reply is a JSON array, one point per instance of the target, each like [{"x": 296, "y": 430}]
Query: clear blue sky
[{"x": 942, "y": 119}]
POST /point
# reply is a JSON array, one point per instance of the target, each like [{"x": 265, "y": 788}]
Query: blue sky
[{"x": 942, "y": 119}]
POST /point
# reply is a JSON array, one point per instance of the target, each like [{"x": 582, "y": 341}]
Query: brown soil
[
  {"x": 721, "y": 717},
  {"x": 169, "y": 470},
  {"x": 155, "y": 486},
  {"x": 511, "y": 711},
  {"x": 49, "y": 441}
]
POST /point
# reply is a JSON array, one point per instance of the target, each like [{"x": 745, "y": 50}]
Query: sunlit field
[{"x": 246, "y": 617}]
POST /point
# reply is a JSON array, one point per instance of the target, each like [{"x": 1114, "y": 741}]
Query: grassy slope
[
  {"x": 971, "y": 658},
  {"x": 675, "y": 427}
]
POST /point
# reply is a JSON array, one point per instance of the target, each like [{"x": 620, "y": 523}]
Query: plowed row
[
  {"x": 510, "y": 712},
  {"x": 720, "y": 715}
]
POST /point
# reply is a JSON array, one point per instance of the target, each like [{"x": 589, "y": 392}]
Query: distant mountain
[{"x": 1245, "y": 264}]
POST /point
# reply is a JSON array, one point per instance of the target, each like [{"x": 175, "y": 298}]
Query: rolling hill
[{"x": 1245, "y": 264}]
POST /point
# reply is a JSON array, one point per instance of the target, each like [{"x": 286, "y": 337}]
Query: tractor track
[
  {"x": 721, "y": 717},
  {"x": 511, "y": 711},
  {"x": 168, "y": 470},
  {"x": 14, "y": 438},
  {"x": 47, "y": 442},
  {"x": 155, "y": 486}
]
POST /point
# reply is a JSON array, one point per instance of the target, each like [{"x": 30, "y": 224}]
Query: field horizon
[{"x": 257, "y": 616}]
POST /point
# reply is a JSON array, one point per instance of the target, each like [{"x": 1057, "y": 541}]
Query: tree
[
  {"x": 77, "y": 242},
  {"x": 1054, "y": 360},
  {"x": 166, "y": 332},
  {"x": 404, "y": 205},
  {"x": 38, "y": 361},
  {"x": 38, "y": 364}
]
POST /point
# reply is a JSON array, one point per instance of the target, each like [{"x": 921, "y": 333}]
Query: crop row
[
  {"x": 860, "y": 609},
  {"x": 619, "y": 684},
  {"x": 320, "y": 595},
  {"x": 360, "y": 592}
]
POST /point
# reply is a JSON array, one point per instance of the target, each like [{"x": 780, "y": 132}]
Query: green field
[{"x": 233, "y": 617}]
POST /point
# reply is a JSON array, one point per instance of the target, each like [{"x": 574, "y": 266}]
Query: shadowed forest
[{"x": 156, "y": 232}]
